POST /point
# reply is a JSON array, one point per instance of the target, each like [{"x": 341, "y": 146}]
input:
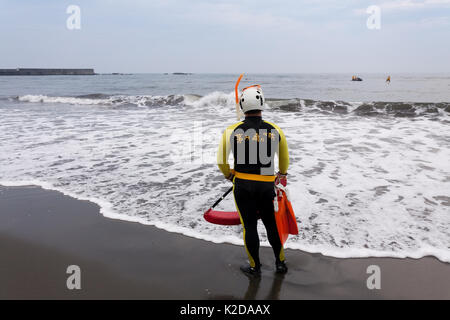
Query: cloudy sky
[{"x": 298, "y": 36}]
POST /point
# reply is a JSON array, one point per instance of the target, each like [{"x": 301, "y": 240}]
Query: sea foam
[{"x": 361, "y": 185}]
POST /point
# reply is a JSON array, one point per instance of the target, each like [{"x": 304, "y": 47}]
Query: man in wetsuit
[{"x": 254, "y": 143}]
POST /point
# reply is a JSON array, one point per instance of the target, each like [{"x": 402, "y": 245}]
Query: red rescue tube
[{"x": 226, "y": 218}]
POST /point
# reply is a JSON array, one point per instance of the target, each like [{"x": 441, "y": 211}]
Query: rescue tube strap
[{"x": 254, "y": 177}]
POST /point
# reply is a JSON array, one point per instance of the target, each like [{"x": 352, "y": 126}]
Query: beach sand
[{"x": 42, "y": 232}]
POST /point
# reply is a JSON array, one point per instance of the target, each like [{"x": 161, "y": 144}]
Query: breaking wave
[
  {"x": 107, "y": 100},
  {"x": 221, "y": 99}
]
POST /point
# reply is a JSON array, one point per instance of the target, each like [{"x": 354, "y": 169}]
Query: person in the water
[
  {"x": 254, "y": 143},
  {"x": 388, "y": 80}
]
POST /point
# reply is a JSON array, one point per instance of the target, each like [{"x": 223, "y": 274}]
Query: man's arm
[
  {"x": 283, "y": 153},
  {"x": 224, "y": 150},
  {"x": 223, "y": 154}
]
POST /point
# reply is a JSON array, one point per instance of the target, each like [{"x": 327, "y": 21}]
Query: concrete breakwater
[{"x": 45, "y": 72}]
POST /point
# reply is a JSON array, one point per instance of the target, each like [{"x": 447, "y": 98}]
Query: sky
[{"x": 201, "y": 36}]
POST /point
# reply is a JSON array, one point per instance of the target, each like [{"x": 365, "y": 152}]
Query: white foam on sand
[{"x": 360, "y": 186}]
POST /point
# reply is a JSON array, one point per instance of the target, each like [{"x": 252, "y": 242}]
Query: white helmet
[{"x": 252, "y": 98}]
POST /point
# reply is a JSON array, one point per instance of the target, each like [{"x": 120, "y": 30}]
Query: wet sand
[{"x": 43, "y": 232}]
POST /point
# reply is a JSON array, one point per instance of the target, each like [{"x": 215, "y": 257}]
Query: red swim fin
[
  {"x": 292, "y": 221},
  {"x": 281, "y": 217},
  {"x": 284, "y": 217}
]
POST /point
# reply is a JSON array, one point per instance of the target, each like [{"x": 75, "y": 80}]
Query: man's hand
[
  {"x": 230, "y": 177},
  {"x": 281, "y": 178}
]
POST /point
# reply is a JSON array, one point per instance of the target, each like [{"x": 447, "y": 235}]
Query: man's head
[{"x": 252, "y": 100}]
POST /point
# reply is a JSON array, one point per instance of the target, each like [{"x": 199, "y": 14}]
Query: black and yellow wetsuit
[{"x": 254, "y": 143}]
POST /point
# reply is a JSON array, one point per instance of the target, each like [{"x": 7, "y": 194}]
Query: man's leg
[
  {"x": 266, "y": 210},
  {"x": 246, "y": 207}
]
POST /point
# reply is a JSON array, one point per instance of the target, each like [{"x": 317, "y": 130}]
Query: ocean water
[{"x": 370, "y": 162}]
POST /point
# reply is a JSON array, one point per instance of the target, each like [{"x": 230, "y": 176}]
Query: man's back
[{"x": 254, "y": 143}]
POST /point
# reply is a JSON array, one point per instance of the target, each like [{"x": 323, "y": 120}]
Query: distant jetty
[{"x": 46, "y": 72}]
